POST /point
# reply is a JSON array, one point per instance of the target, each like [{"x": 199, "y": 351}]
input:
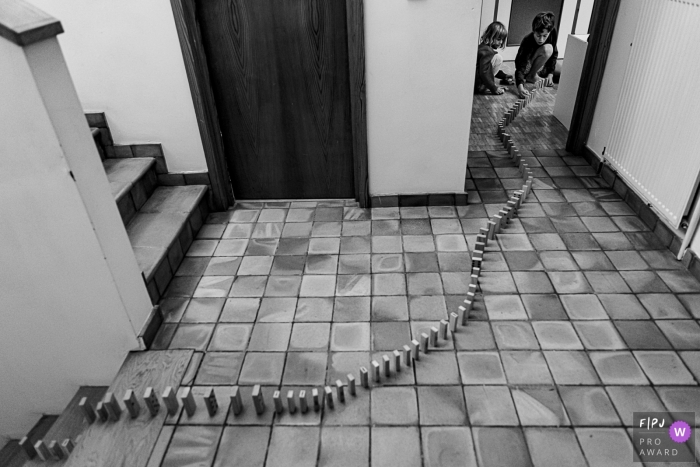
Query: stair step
[
  {"x": 132, "y": 182},
  {"x": 129, "y": 442},
  {"x": 12, "y": 455},
  {"x": 71, "y": 423},
  {"x": 163, "y": 230}
]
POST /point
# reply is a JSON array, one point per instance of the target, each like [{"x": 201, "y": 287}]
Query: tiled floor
[{"x": 580, "y": 320}]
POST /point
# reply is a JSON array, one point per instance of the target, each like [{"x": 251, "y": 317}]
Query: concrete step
[
  {"x": 162, "y": 232},
  {"x": 132, "y": 182}
]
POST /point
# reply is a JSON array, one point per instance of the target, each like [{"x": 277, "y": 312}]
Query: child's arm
[
  {"x": 520, "y": 66},
  {"x": 486, "y": 71},
  {"x": 551, "y": 64}
]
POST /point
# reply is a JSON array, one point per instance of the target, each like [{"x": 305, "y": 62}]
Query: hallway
[{"x": 581, "y": 319}]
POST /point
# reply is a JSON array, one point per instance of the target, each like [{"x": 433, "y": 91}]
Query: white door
[{"x": 572, "y": 16}]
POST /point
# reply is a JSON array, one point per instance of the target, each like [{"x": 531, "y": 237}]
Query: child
[
  {"x": 537, "y": 54},
  {"x": 488, "y": 60}
]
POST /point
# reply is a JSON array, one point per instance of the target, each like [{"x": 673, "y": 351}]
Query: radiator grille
[{"x": 652, "y": 142}]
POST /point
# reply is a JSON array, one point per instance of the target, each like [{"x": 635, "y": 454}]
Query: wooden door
[{"x": 279, "y": 72}]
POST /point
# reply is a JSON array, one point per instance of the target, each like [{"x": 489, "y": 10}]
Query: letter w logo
[{"x": 679, "y": 431}]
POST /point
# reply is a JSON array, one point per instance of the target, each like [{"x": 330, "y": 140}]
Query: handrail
[{"x": 24, "y": 24}]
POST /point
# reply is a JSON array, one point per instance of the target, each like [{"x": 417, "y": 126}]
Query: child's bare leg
[{"x": 540, "y": 57}]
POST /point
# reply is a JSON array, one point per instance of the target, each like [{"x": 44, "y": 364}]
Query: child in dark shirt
[
  {"x": 488, "y": 60},
  {"x": 537, "y": 54}
]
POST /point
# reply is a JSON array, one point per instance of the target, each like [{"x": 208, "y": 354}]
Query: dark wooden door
[{"x": 279, "y": 71}]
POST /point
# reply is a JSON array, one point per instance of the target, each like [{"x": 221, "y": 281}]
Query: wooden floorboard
[{"x": 129, "y": 442}]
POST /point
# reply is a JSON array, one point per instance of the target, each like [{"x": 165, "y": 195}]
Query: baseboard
[
  {"x": 421, "y": 199},
  {"x": 151, "y": 327}
]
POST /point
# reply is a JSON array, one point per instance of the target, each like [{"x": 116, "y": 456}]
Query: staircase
[{"x": 161, "y": 221}]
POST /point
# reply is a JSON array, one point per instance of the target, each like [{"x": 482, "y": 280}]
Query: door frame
[
  {"x": 190, "y": 37},
  {"x": 601, "y": 29}
]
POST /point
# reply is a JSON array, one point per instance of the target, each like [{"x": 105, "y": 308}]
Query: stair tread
[
  {"x": 124, "y": 173},
  {"x": 129, "y": 442},
  {"x": 174, "y": 199},
  {"x": 71, "y": 423},
  {"x": 159, "y": 223}
]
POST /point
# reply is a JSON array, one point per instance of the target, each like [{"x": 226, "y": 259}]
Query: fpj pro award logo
[{"x": 664, "y": 436}]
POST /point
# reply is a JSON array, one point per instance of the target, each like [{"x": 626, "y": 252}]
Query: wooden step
[
  {"x": 132, "y": 181},
  {"x": 71, "y": 423},
  {"x": 163, "y": 230},
  {"x": 12, "y": 455},
  {"x": 129, "y": 442}
]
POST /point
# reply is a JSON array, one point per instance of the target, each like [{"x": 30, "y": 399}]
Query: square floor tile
[
  {"x": 203, "y": 310},
  {"x": 424, "y": 284},
  {"x": 489, "y": 443},
  {"x": 317, "y": 286},
  {"x": 514, "y": 335},
  {"x": 477, "y": 335},
  {"x": 249, "y": 286},
  {"x": 354, "y": 264},
  {"x": 525, "y": 367},
  {"x": 664, "y": 367},
  {"x": 572, "y": 367},
  {"x": 437, "y": 368},
  {"x": 644, "y": 282},
  {"x": 243, "y": 446},
  {"x": 553, "y": 447},
  {"x": 606, "y": 447},
  {"x": 683, "y": 334},
  {"x": 642, "y": 335},
  {"x": 427, "y": 308},
  {"x": 663, "y": 306},
  {"x": 389, "y": 284},
  {"x": 573, "y": 282},
  {"x": 277, "y": 310},
  {"x": 539, "y": 406},
  {"x": 623, "y": 306},
  {"x": 230, "y": 337},
  {"x": 532, "y": 282},
  {"x": 607, "y": 282},
  {"x": 350, "y": 337},
  {"x": 441, "y": 405},
  {"x": 391, "y": 244},
  {"x": 219, "y": 368},
  {"x": 213, "y": 286},
  {"x": 262, "y": 368},
  {"x": 310, "y": 337},
  {"x": 193, "y": 445},
  {"x": 448, "y": 446},
  {"x": 618, "y": 368},
  {"x": 390, "y": 335},
  {"x": 305, "y": 368},
  {"x": 583, "y": 306},
  {"x": 192, "y": 336},
  {"x": 544, "y": 307},
  {"x": 394, "y": 406},
  {"x": 293, "y": 446},
  {"x": 270, "y": 337},
  {"x": 508, "y": 307},
  {"x": 557, "y": 335},
  {"x": 314, "y": 309},
  {"x": 514, "y": 242},
  {"x": 353, "y": 285},
  {"x": 630, "y": 399},
  {"x": 588, "y": 406},
  {"x": 351, "y": 309},
  {"x": 393, "y": 446},
  {"x": 599, "y": 335},
  {"x": 497, "y": 283},
  {"x": 490, "y": 405},
  {"x": 344, "y": 447},
  {"x": 389, "y": 309},
  {"x": 481, "y": 368}
]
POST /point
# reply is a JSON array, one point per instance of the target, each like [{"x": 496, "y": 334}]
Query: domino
[
  {"x": 364, "y": 377},
  {"x": 210, "y": 401},
  {"x": 329, "y": 397},
  {"x": 479, "y": 246},
  {"x": 341, "y": 391},
  {"x": 375, "y": 371},
  {"x": 101, "y": 411},
  {"x": 188, "y": 401},
  {"x": 55, "y": 449},
  {"x": 316, "y": 399},
  {"x": 351, "y": 385},
  {"x": 498, "y": 220},
  {"x": 453, "y": 321},
  {"x": 387, "y": 366},
  {"x": 407, "y": 355},
  {"x": 28, "y": 447},
  {"x": 492, "y": 230},
  {"x": 443, "y": 329},
  {"x": 112, "y": 405},
  {"x": 473, "y": 279},
  {"x": 433, "y": 336},
  {"x": 236, "y": 401},
  {"x": 424, "y": 343},
  {"x": 67, "y": 447},
  {"x": 131, "y": 403},
  {"x": 43, "y": 451},
  {"x": 152, "y": 402},
  {"x": 170, "y": 400},
  {"x": 397, "y": 360},
  {"x": 504, "y": 218},
  {"x": 258, "y": 399},
  {"x": 415, "y": 353},
  {"x": 291, "y": 403},
  {"x": 88, "y": 413},
  {"x": 472, "y": 289},
  {"x": 303, "y": 403}
]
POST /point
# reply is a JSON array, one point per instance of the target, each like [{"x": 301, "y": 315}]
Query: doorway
[{"x": 279, "y": 72}]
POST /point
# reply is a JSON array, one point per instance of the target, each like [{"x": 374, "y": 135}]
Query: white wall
[
  {"x": 64, "y": 312},
  {"x": 125, "y": 59},
  {"x": 420, "y": 59},
  {"x": 615, "y": 67},
  {"x": 570, "y": 78}
]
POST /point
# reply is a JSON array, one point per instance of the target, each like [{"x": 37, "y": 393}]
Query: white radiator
[{"x": 654, "y": 137}]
